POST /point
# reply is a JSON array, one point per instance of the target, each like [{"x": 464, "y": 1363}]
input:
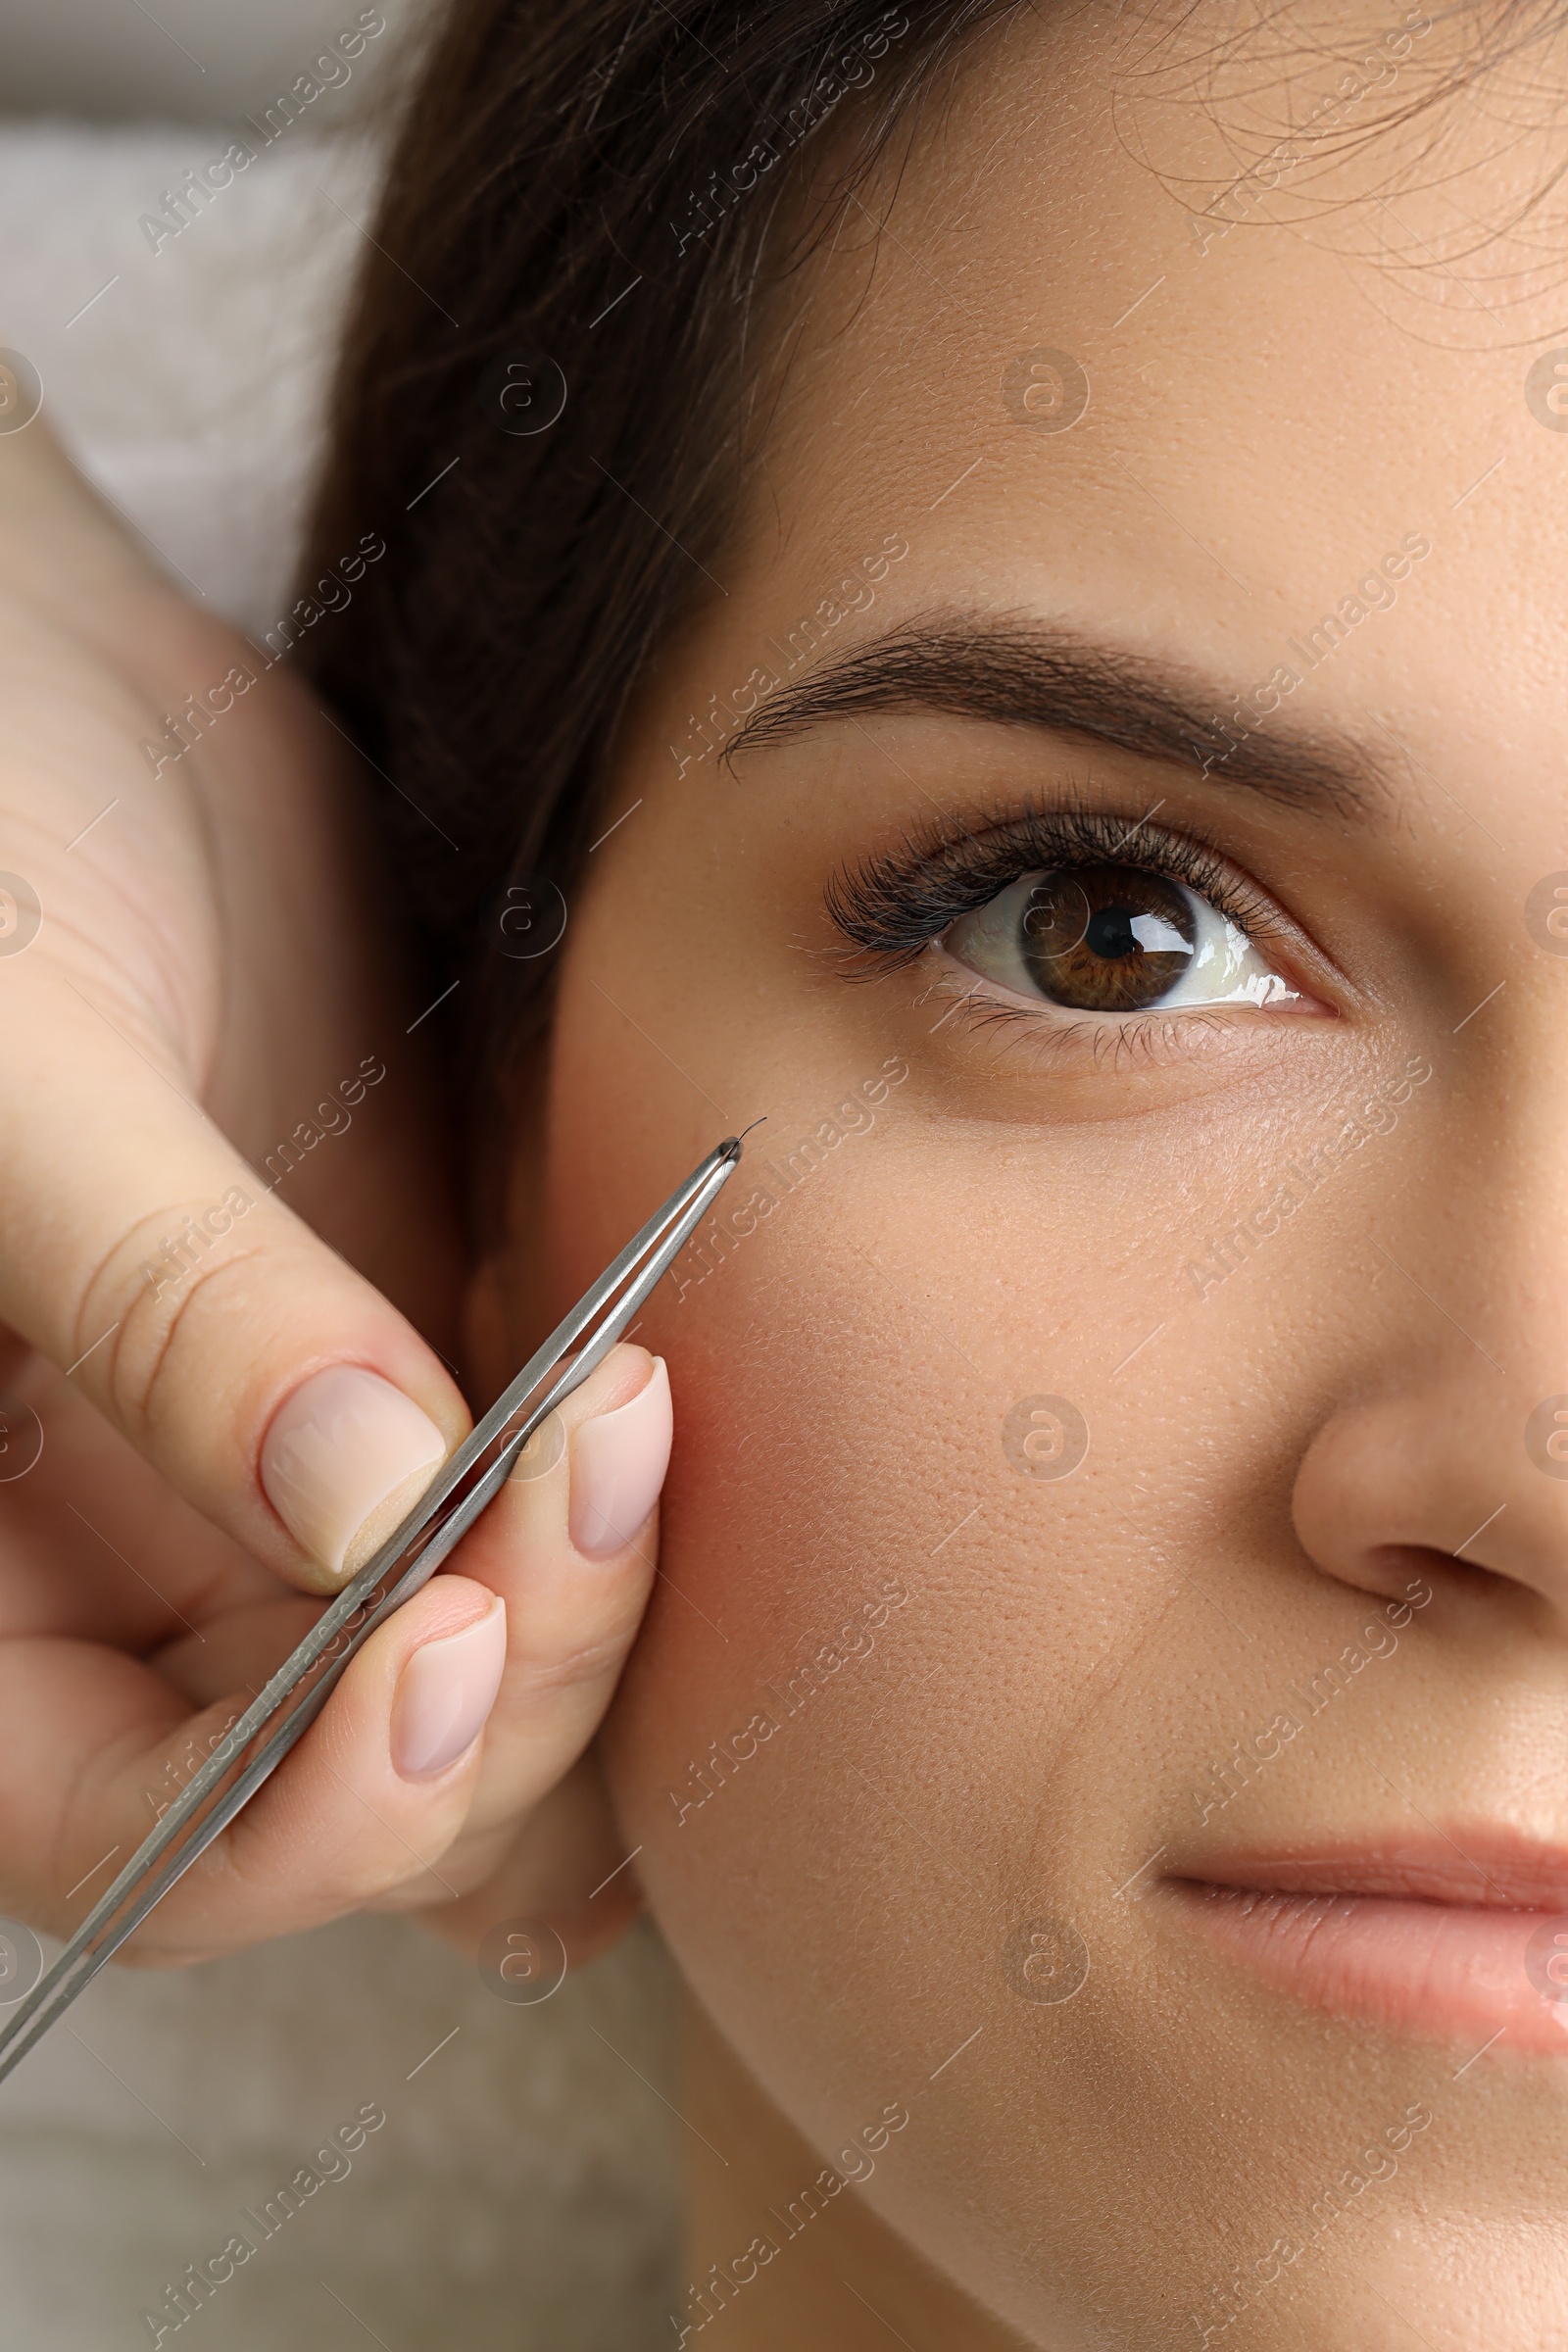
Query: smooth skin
[
  {"x": 1271, "y": 1454},
  {"x": 208, "y": 972}
]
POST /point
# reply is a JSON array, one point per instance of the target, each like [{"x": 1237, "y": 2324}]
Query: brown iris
[{"x": 1106, "y": 938}]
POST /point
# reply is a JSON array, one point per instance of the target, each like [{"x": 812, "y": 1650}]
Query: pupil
[{"x": 1111, "y": 933}]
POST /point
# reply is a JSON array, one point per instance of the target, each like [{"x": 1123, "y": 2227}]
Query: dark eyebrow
[{"x": 1018, "y": 672}]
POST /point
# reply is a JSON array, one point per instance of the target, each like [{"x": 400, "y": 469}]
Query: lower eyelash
[
  {"x": 892, "y": 904},
  {"x": 1145, "y": 1037}
]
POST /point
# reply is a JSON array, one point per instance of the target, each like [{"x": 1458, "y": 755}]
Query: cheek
[{"x": 841, "y": 1895}]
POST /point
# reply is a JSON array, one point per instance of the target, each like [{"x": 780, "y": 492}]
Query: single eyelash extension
[{"x": 892, "y": 904}]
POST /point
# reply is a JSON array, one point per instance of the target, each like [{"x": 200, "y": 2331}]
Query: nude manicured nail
[
  {"x": 346, "y": 1457},
  {"x": 444, "y": 1694},
  {"x": 618, "y": 1461}
]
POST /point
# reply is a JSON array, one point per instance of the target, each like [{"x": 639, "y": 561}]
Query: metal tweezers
[{"x": 297, "y": 1693}]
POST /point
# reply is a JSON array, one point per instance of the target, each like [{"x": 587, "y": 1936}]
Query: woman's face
[{"x": 1108, "y": 1692}]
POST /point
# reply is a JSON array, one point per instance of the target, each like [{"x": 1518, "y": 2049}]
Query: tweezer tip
[{"x": 730, "y": 1147}]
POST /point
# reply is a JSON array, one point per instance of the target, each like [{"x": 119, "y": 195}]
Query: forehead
[{"x": 1024, "y": 356}]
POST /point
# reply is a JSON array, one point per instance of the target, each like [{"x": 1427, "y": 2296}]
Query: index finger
[{"x": 267, "y": 1379}]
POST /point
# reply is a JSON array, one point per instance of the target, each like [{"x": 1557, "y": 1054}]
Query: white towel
[{"x": 520, "y": 2193}]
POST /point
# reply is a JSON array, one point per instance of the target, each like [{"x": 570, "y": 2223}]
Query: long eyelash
[{"x": 892, "y": 904}]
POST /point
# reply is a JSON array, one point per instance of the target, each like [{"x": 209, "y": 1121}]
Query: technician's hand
[
  {"x": 439, "y": 1776},
  {"x": 206, "y": 1079}
]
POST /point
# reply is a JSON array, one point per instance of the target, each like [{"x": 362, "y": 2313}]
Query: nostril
[{"x": 1391, "y": 1568}]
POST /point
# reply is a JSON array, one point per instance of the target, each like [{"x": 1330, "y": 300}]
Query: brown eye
[
  {"x": 1115, "y": 940},
  {"x": 1106, "y": 938}
]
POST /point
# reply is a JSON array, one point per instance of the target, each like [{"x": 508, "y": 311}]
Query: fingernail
[
  {"x": 444, "y": 1694},
  {"x": 345, "y": 1459},
  {"x": 618, "y": 1461}
]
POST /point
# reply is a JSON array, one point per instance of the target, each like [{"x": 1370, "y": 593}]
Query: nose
[{"x": 1445, "y": 1457}]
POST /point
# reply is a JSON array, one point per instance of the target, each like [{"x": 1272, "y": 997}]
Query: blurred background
[
  {"x": 522, "y": 2192},
  {"x": 183, "y": 331},
  {"x": 180, "y": 61}
]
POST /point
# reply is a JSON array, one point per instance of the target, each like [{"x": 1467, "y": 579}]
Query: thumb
[{"x": 260, "y": 1375}]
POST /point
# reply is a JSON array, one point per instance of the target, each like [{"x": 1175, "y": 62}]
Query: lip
[{"x": 1461, "y": 1937}]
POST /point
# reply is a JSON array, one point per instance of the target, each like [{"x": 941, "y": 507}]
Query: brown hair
[{"x": 582, "y": 194}]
